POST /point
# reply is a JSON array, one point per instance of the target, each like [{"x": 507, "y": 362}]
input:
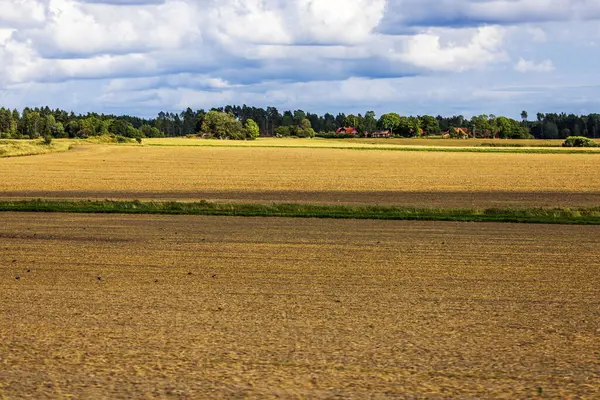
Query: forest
[{"x": 245, "y": 122}]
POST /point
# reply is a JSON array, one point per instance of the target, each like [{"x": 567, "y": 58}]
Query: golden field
[
  {"x": 356, "y": 143},
  {"x": 307, "y": 175},
  {"x": 19, "y": 148},
  {"x": 221, "y": 307}
]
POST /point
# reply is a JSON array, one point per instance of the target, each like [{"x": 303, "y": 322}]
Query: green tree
[
  {"x": 5, "y": 121},
  {"x": 91, "y": 124},
  {"x": 189, "y": 120},
  {"x": 288, "y": 119},
  {"x": 305, "y": 129},
  {"x": 369, "y": 122},
  {"x": 47, "y": 125},
  {"x": 117, "y": 127},
  {"x": 58, "y": 130},
  {"x": 223, "y": 126},
  {"x": 389, "y": 121},
  {"x": 408, "y": 127},
  {"x": 132, "y": 132},
  {"x": 150, "y": 131},
  {"x": 283, "y": 131},
  {"x": 32, "y": 124},
  {"x": 299, "y": 115},
  {"x": 354, "y": 121},
  {"x": 251, "y": 128},
  {"x": 430, "y": 125},
  {"x": 550, "y": 130},
  {"x": 72, "y": 129},
  {"x": 481, "y": 126}
]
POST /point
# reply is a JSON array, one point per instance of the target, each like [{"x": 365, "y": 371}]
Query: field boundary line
[{"x": 580, "y": 216}]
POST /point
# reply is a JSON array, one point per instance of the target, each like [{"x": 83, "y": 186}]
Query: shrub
[
  {"x": 283, "y": 131},
  {"x": 84, "y": 134},
  {"x": 123, "y": 139},
  {"x": 580, "y": 141},
  {"x": 47, "y": 140}
]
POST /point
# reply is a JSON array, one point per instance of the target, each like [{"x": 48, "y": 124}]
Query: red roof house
[
  {"x": 347, "y": 131},
  {"x": 459, "y": 132}
]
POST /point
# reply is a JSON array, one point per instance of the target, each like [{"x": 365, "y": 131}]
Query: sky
[{"x": 413, "y": 57}]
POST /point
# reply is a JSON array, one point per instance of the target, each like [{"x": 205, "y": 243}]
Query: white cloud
[
  {"x": 484, "y": 47},
  {"x": 80, "y": 29},
  {"x": 22, "y": 13},
  {"x": 298, "y": 21},
  {"x": 525, "y": 66},
  {"x": 537, "y": 34},
  {"x": 144, "y": 55},
  {"x": 5, "y": 35}
]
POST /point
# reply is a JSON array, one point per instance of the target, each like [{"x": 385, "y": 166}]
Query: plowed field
[
  {"x": 316, "y": 176},
  {"x": 212, "y": 307}
]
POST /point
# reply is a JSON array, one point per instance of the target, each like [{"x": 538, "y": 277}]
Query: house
[
  {"x": 347, "y": 131},
  {"x": 461, "y": 133},
  {"x": 379, "y": 134}
]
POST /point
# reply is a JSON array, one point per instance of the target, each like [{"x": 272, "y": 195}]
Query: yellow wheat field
[
  {"x": 332, "y": 176},
  {"x": 218, "y": 307},
  {"x": 358, "y": 142},
  {"x": 19, "y": 148}
]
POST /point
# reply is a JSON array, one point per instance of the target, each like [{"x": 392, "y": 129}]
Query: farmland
[
  {"x": 204, "y": 306},
  {"x": 18, "y": 148},
  {"x": 391, "y": 143},
  {"x": 306, "y": 175},
  {"x": 152, "y": 306}
]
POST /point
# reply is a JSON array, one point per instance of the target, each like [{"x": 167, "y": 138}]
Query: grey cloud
[
  {"x": 202, "y": 64},
  {"x": 407, "y": 16}
]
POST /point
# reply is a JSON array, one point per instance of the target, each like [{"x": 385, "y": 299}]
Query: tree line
[{"x": 245, "y": 122}]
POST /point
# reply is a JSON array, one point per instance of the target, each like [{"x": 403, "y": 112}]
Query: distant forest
[{"x": 234, "y": 122}]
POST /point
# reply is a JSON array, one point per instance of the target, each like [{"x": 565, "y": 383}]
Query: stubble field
[
  {"x": 305, "y": 175},
  {"x": 362, "y": 142},
  {"x": 180, "y": 306},
  {"x": 124, "y": 306}
]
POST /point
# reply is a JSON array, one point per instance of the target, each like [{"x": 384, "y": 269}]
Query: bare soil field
[
  {"x": 218, "y": 307},
  {"x": 316, "y": 176}
]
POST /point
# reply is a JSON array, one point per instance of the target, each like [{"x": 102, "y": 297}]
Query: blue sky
[{"x": 408, "y": 56}]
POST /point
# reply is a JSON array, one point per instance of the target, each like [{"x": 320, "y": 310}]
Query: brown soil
[
  {"x": 219, "y": 307},
  {"x": 321, "y": 176},
  {"x": 391, "y": 198}
]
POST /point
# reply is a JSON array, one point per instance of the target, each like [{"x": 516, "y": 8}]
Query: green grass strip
[
  {"x": 589, "y": 215},
  {"x": 438, "y": 149}
]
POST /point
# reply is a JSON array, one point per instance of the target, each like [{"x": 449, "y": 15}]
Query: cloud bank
[{"x": 409, "y": 56}]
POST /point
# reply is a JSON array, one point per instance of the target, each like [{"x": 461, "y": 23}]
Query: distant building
[
  {"x": 462, "y": 133},
  {"x": 347, "y": 131},
  {"x": 379, "y": 134}
]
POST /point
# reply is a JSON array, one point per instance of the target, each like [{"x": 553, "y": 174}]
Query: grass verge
[
  {"x": 589, "y": 215},
  {"x": 19, "y": 148}
]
